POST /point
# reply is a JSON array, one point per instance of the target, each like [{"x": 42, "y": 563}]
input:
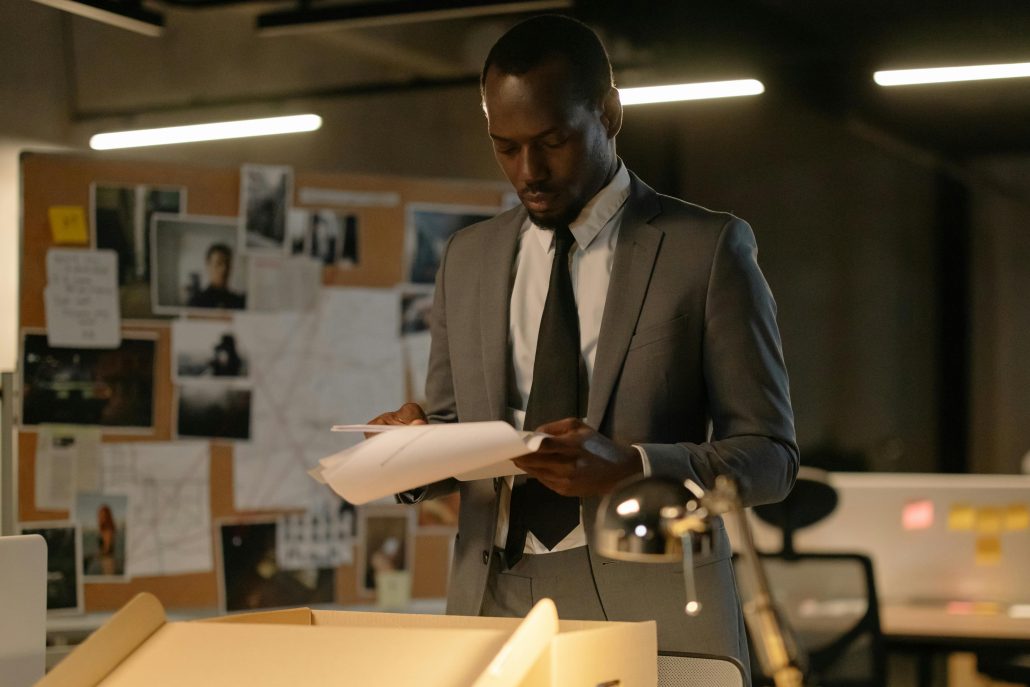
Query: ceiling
[{"x": 820, "y": 52}]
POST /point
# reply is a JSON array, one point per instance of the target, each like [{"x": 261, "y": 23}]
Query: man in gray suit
[{"x": 635, "y": 329}]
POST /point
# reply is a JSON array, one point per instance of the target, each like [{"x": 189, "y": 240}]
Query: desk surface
[{"x": 939, "y": 623}]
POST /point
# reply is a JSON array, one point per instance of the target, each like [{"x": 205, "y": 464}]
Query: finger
[
  {"x": 559, "y": 427},
  {"x": 409, "y": 413}
]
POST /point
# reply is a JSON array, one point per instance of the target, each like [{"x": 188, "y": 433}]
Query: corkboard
[{"x": 52, "y": 180}]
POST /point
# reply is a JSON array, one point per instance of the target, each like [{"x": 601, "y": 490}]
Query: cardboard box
[{"x": 300, "y": 646}]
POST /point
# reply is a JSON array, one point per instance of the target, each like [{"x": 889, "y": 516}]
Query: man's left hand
[{"x": 578, "y": 461}]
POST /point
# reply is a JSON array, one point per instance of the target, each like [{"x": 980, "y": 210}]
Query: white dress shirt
[{"x": 596, "y": 231}]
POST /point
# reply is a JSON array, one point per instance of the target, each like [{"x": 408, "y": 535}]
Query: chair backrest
[
  {"x": 830, "y": 602},
  {"x": 678, "y": 669},
  {"x": 22, "y": 609}
]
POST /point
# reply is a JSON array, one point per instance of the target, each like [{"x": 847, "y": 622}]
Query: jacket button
[{"x": 486, "y": 558}]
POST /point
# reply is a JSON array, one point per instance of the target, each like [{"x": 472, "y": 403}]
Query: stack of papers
[{"x": 403, "y": 457}]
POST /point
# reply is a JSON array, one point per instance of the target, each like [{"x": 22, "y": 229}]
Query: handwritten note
[{"x": 81, "y": 297}]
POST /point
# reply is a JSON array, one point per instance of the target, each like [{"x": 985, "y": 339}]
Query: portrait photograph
[
  {"x": 103, "y": 519},
  {"x": 197, "y": 266},
  {"x": 428, "y": 228},
  {"x": 63, "y": 565},
  {"x": 113, "y": 388},
  {"x": 386, "y": 540},
  {"x": 121, "y": 216},
  {"x": 250, "y": 576},
  {"x": 207, "y": 349},
  {"x": 213, "y": 410},
  {"x": 266, "y": 194}
]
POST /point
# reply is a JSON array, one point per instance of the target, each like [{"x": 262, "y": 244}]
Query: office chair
[
  {"x": 679, "y": 669},
  {"x": 829, "y": 599}
]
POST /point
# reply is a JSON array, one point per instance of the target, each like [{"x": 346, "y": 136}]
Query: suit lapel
[
  {"x": 497, "y": 257},
  {"x": 635, "y": 255}
]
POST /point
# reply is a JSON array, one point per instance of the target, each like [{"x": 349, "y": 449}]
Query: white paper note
[
  {"x": 169, "y": 501},
  {"x": 341, "y": 360},
  {"x": 417, "y": 455},
  {"x": 82, "y": 307},
  {"x": 59, "y": 451},
  {"x": 277, "y": 283}
]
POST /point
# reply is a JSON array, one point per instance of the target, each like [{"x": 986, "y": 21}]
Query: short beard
[{"x": 563, "y": 220}]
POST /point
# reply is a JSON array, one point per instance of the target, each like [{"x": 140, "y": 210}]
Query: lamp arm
[{"x": 776, "y": 653}]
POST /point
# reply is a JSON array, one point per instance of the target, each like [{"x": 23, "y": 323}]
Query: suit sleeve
[
  {"x": 752, "y": 435},
  {"x": 440, "y": 404}
]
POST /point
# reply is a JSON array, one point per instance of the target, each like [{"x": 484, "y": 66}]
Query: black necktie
[{"x": 554, "y": 396}]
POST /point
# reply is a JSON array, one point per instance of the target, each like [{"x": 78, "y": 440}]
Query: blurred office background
[{"x": 892, "y": 223}]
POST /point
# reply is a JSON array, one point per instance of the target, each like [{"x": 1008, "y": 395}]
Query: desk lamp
[{"x": 654, "y": 520}]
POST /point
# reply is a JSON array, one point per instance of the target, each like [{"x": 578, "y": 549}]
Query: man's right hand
[{"x": 407, "y": 414}]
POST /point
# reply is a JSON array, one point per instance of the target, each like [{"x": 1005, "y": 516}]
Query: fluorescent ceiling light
[
  {"x": 908, "y": 77},
  {"x": 120, "y": 14},
  {"x": 206, "y": 132},
  {"x": 690, "y": 91}
]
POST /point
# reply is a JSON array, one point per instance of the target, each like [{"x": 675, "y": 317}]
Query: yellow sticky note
[
  {"x": 988, "y": 550},
  {"x": 68, "y": 224},
  {"x": 961, "y": 516},
  {"x": 1017, "y": 517},
  {"x": 989, "y": 519}
]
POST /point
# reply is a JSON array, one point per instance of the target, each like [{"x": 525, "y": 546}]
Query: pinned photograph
[
  {"x": 416, "y": 309},
  {"x": 266, "y": 193},
  {"x": 428, "y": 228},
  {"x": 296, "y": 231},
  {"x": 103, "y": 519},
  {"x": 321, "y": 537},
  {"x": 63, "y": 565},
  {"x": 213, "y": 411},
  {"x": 121, "y": 222},
  {"x": 250, "y": 576},
  {"x": 202, "y": 349},
  {"x": 197, "y": 264},
  {"x": 88, "y": 386},
  {"x": 332, "y": 237},
  {"x": 387, "y": 541}
]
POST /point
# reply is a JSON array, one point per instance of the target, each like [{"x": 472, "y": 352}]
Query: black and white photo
[
  {"x": 207, "y": 349},
  {"x": 266, "y": 194},
  {"x": 197, "y": 264},
  {"x": 63, "y": 564},
  {"x": 121, "y": 216},
  {"x": 213, "y": 410}
]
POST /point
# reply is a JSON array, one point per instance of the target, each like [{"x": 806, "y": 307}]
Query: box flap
[
  {"x": 618, "y": 653},
  {"x": 526, "y": 646},
  {"x": 259, "y": 655},
  {"x": 108, "y": 646},
  {"x": 286, "y": 616}
]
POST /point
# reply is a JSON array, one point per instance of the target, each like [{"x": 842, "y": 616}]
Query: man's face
[
  {"x": 556, "y": 150},
  {"x": 218, "y": 264}
]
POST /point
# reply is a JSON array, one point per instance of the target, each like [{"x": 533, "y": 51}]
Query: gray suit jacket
[{"x": 688, "y": 365}]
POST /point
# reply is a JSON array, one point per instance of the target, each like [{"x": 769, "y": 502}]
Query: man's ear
[{"x": 611, "y": 112}]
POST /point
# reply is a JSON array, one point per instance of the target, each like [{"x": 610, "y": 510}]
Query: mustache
[{"x": 537, "y": 188}]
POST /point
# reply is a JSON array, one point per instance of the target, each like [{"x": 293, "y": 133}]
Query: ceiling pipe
[{"x": 308, "y": 19}]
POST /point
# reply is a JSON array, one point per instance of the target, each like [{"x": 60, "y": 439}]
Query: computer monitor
[{"x": 933, "y": 538}]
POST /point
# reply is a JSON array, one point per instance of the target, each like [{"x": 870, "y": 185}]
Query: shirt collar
[{"x": 596, "y": 214}]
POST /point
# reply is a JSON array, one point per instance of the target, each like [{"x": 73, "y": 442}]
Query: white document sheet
[
  {"x": 277, "y": 283},
  {"x": 343, "y": 359},
  {"x": 413, "y": 456},
  {"x": 169, "y": 501},
  {"x": 82, "y": 307},
  {"x": 59, "y": 451}
]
